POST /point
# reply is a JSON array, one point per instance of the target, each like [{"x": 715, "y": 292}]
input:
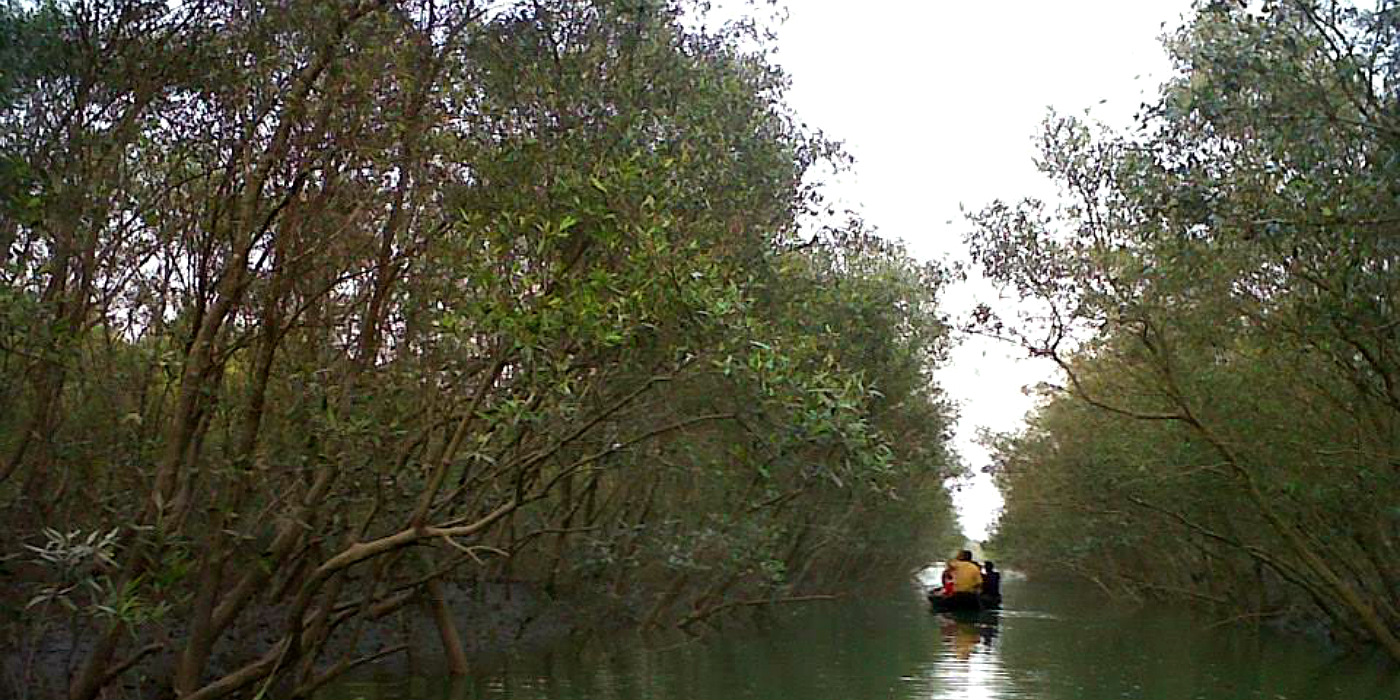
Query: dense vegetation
[
  {"x": 1220, "y": 295},
  {"x": 311, "y": 311}
]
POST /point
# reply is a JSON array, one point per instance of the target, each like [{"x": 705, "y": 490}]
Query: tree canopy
[
  {"x": 1219, "y": 293},
  {"x": 312, "y": 311}
]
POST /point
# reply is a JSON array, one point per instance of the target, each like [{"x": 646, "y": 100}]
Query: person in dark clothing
[{"x": 991, "y": 584}]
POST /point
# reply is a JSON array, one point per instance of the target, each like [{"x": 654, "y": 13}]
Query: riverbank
[{"x": 493, "y": 617}]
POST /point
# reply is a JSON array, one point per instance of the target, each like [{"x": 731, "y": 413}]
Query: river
[{"x": 1052, "y": 642}]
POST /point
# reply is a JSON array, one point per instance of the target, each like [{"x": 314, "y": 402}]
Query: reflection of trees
[{"x": 1168, "y": 652}]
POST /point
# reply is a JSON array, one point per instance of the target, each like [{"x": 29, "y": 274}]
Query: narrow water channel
[{"x": 1051, "y": 643}]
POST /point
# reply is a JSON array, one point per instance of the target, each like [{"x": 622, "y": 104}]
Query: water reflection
[
  {"x": 968, "y": 666},
  {"x": 1048, "y": 643}
]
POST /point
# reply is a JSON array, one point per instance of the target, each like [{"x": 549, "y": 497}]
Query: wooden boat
[{"x": 962, "y": 603}]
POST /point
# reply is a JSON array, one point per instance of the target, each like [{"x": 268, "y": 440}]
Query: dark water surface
[{"x": 1051, "y": 643}]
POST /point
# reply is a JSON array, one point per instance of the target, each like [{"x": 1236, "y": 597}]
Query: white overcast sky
[{"x": 939, "y": 102}]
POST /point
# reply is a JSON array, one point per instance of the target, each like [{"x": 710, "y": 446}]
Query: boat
[{"x": 962, "y": 603}]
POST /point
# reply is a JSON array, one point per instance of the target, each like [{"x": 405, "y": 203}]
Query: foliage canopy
[
  {"x": 1220, "y": 297},
  {"x": 334, "y": 307}
]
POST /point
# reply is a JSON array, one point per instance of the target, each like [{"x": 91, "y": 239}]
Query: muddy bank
[{"x": 492, "y": 617}]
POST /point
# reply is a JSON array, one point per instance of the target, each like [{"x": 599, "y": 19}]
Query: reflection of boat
[
  {"x": 962, "y": 637},
  {"x": 964, "y": 629}
]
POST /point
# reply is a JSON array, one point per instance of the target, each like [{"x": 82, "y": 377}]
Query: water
[{"x": 1051, "y": 643}]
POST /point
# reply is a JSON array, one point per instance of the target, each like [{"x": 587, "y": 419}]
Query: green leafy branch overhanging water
[{"x": 338, "y": 310}]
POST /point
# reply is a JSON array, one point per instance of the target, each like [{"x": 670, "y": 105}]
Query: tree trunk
[{"x": 447, "y": 628}]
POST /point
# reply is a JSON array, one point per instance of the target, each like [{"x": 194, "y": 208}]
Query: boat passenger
[
  {"x": 965, "y": 579},
  {"x": 991, "y": 584}
]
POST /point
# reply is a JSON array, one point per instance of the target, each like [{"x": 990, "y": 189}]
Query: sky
[{"x": 939, "y": 102}]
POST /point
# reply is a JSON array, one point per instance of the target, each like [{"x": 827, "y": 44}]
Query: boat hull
[{"x": 963, "y": 603}]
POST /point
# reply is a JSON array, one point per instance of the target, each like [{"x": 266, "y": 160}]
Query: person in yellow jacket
[
  {"x": 964, "y": 574},
  {"x": 962, "y": 584}
]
